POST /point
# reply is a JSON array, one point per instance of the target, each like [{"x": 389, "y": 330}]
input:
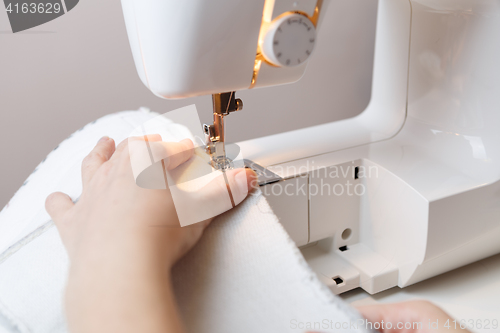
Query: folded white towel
[{"x": 245, "y": 275}]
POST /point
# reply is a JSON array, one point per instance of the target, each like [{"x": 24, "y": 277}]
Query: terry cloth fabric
[{"x": 245, "y": 275}]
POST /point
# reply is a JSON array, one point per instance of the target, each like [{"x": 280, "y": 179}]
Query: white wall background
[{"x": 57, "y": 77}]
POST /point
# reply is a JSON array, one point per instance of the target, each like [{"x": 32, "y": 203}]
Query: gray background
[{"x": 59, "y": 76}]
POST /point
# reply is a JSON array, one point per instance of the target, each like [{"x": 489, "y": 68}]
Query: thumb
[
  {"x": 198, "y": 200},
  {"x": 233, "y": 184},
  {"x": 239, "y": 183}
]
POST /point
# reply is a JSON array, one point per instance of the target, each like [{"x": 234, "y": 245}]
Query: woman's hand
[
  {"x": 113, "y": 213},
  {"x": 122, "y": 241}
]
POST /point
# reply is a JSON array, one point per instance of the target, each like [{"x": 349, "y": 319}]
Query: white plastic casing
[
  {"x": 289, "y": 40},
  {"x": 431, "y": 137},
  {"x": 193, "y": 47},
  {"x": 197, "y": 47}
]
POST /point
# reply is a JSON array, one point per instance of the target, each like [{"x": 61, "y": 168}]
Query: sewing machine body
[{"x": 424, "y": 156}]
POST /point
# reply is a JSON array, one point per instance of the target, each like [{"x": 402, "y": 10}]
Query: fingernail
[
  {"x": 253, "y": 181},
  {"x": 103, "y": 139}
]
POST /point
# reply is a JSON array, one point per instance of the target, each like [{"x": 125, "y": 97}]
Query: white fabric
[{"x": 245, "y": 275}]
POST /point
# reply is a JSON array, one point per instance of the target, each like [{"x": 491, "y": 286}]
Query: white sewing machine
[{"x": 407, "y": 190}]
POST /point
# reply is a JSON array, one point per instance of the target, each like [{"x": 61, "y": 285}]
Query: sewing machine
[{"x": 405, "y": 191}]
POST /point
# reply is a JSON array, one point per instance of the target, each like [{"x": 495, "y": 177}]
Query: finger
[
  {"x": 204, "y": 198},
  {"x": 123, "y": 146},
  {"x": 374, "y": 313},
  {"x": 142, "y": 155},
  {"x": 175, "y": 153},
  {"x": 57, "y": 205},
  {"x": 101, "y": 153},
  {"x": 410, "y": 311},
  {"x": 241, "y": 183},
  {"x": 233, "y": 186},
  {"x": 236, "y": 183}
]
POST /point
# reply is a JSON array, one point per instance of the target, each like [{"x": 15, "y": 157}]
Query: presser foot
[
  {"x": 223, "y": 104},
  {"x": 222, "y": 163},
  {"x": 218, "y": 157}
]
